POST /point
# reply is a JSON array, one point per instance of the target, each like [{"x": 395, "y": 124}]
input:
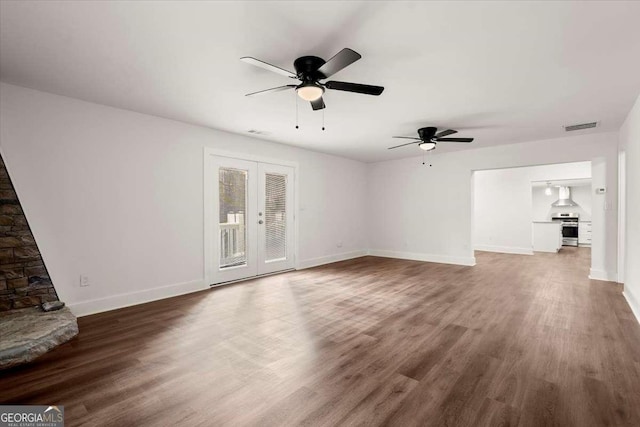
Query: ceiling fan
[
  {"x": 427, "y": 138},
  {"x": 310, "y": 70}
]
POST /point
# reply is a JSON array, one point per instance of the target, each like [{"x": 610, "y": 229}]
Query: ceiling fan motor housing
[
  {"x": 426, "y": 134},
  {"x": 307, "y": 68}
]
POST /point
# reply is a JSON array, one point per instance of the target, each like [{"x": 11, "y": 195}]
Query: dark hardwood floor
[{"x": 516, "y": 340}]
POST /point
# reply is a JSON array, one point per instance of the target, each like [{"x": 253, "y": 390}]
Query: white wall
[
  {"x": 630, "y": 144},
  {"x": 426, "y": 212},
  {"x": 542, "y": 209},
  {"x": 118, "y": 196},
  {"x": 503, "y": 205}
]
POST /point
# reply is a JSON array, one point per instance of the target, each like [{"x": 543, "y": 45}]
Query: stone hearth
[{"x": 30, "y": 332}]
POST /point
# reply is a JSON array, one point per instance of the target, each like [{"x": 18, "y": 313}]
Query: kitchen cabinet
[
  {"x": 584, "y": 233},
  {"x": 547, "y": 236}
]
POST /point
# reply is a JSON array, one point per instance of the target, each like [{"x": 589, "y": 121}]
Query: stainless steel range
[{"x": 569, "y": 222}]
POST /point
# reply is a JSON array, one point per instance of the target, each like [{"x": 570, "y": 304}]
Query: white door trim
[
  {"x": 207, "y": 179},
  {"x": 622, "y": 218}
]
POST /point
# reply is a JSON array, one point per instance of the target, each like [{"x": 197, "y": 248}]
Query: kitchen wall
[
  {"x": 630, "y": 146},
  {"x": 503, "y": 206},
  {"x": 541, "y": 203},
  {"x": 118, "y": 196},
  {"x": 421, "y": 212}
]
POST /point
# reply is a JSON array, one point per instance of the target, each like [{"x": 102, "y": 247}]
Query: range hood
[{"x": 564, "y": 198}]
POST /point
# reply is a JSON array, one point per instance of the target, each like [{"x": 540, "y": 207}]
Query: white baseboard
[
  {"x": 314, "y": 262},
  {"x": 504, "y": 249},
  {"x": 99, "y": 305},
  {"x": 441, "y": 259},
  {"x": 633, "y": 304},
  {"x": 602, "y": 275}
]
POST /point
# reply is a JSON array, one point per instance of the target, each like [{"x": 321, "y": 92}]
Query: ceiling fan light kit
[
  {"x": 427, "y": 146},
  {"x": 310, "y": 91}
]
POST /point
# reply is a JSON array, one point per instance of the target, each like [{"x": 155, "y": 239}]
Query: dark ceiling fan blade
[
  {"x": 266, "y": 66},
  {"x": 339, "y": 61},
  {"x": 454, "y": 139},
  {"x": 355, "y": 87},
  {"x": 402, "y": 145},
  {"x": 446, "y": 133},
  {"x": 407, "y": 137},
  {"x": 273, "y": 89},
  {"x": 318, "y": 104}
]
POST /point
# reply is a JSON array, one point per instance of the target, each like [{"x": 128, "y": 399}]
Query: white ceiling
[{"x": 502, "y": 72}]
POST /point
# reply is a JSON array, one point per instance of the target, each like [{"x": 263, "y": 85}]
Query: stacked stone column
[{"x": 24, "y": 281}]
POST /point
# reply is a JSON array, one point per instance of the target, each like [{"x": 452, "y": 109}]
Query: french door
[{"x": 251, "y": 219}]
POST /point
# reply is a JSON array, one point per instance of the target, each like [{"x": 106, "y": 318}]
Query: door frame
[
  {"x": 207, "y": 179},
  {"x": 622, "y": 213}
]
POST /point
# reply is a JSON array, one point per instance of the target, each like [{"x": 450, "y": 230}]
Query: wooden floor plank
[{"x": 515, "y": 340}]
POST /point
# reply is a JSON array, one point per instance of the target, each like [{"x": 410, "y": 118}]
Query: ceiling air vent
[{"x": 581, "y": 126}]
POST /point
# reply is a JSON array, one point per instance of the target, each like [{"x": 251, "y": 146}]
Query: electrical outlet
[{"x": 84, "y": 281}]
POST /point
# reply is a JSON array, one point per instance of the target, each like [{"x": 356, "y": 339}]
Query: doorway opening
[
  {"x": 563, "y": 202},
  {"x": 536, "y": 210}
]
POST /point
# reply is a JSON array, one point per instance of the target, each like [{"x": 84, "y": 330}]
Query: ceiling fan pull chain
[
  {"x": 296, "y": 98},
  {"x": 424, "y": 154},
  {"x": 322, "y": 119}
]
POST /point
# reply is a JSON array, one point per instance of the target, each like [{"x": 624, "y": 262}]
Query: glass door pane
[
  {"x": 232, "y": 217},
  {"x": 275, "y": 216}
]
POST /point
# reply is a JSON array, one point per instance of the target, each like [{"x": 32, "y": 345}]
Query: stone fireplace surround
[
  {"x": 24, "y": 280},
  {"x": 27, "y": 331}
]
